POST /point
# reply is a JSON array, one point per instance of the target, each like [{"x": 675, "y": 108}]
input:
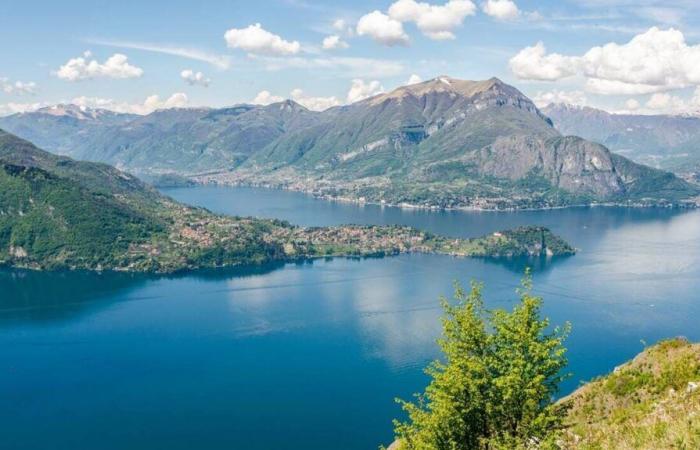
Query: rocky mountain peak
[{"x": 446, "y": 84}]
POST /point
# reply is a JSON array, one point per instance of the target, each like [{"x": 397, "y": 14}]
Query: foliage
[
  {"x": 494, "y": 388},
  {"x": 649, "y": 403}
]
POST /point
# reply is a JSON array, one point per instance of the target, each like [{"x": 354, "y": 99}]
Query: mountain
[
  {"x": 61, "y": 128},
  {"x": 664, "y": 141},
  {"x": 184, "y": 140},
  {"x": 651, "y": 402},
  {"x": 448, "y": 142},
  {"x": 443, "y": 142},
  {"x": 58, "y": 213}
]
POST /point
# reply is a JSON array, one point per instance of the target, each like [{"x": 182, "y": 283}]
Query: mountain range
[
  {"x": 664, "y": 141},
  {"x": 444, "y": 142},
  {"x": 58, "y": 213}
]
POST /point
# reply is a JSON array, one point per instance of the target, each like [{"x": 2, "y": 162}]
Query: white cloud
[
  {"x": 543, "y": 99},
  {"x": 83, "y": 68},
  {"x": 342, "y": 27},
  {"x": 413, "y": 79},
  {"x": 266, "y": 98},
  {"x": 360, "y": 90},
  {"x": 654, "y": 61},
  {"x": 219, "y": 61},
  {"x": 314, "y": 103},
  {"x": 194, "y": 78},
  {"x": 382, "y": 28},
  {"x": 533, "y": 63},
  {"x": 632, "y": 104},
  {"x": 615, "y": 87},
  {"x": 333, "y": 42},
  {"x": 435, "y": 21},
  {"x": 501, "y": 9},
  {"x": 17, "y": 87},
  {"x": 150, "y": 104},
  {"x": 339, "y": 25},
  {"x": 254, "y": 39},
  {"x": 14, "y": 108},
  {"x": 664, "y": 103}
]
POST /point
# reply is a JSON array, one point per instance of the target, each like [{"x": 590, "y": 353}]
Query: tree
[{"x": 493, "y": 388}]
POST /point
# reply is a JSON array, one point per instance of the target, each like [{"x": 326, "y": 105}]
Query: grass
[{"x": 650, "y": 403}]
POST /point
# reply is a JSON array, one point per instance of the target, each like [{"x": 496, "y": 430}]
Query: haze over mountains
[
  {"x": 664, "y": 141},
  {"x": 443, "y": 142}
]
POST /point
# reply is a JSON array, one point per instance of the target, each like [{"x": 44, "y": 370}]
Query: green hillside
[
  {"x": 59, "y": 213},
  {"x": 649, "y": 403}
]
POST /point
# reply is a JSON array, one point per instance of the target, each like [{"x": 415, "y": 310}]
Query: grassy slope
[{"x": 647, "y": 403}]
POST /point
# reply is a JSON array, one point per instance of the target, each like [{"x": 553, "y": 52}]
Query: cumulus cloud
[
  {"x": 632, "y": 104},
  {"x": 84, "y": 68},
  {"x": 194, "y": 78},
  {"x": 543, "y": 99},
  {"x": 314, "y": 103},
  {"x": 360, "y": 90},
  {"x": 664, "y": 103},
  {"x": 266, "y": 98},
  {"x": 17, "y": 87},
  {"x": 382, "y": 29},
  {"x": 334, "y": 42},
  {"x": 654, "y": 61},
  {"x": 413, "y": 79},
  {"x": 255, "y": 39},
  {"x": 533, "y": 63},
  {"x": 339, "y": 24},
  {"x": 14, "y": 108},
  {"x": 342, "y": 27},
  {"x": 150, "y": 104},
  {"x": 299, "y": 96},
  {"x": 501, "y": 9},
  {"x": 435, "y": 21}
]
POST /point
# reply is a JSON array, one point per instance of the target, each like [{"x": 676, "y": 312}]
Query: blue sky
[{"x": 285, "y": 56}]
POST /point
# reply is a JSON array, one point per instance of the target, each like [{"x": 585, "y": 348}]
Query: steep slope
[
  {"x": 62, "y": 128},
  {"x": 59, "y": 213},
  {"x": 669, "y": 142},
  {"x": 434, "y": 120},
  {"x": 649, "y": 403},
  {"x": 180, "y": 140},
  {"x": 448, "y": 142}
]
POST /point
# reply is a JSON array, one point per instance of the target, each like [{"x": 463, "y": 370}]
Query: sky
[{"x": 638, "y": 56}]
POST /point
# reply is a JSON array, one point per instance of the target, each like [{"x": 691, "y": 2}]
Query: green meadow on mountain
[{"x": 443, "y": 142}]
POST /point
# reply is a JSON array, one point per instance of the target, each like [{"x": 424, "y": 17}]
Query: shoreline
[{"x": 410, "y": 206}]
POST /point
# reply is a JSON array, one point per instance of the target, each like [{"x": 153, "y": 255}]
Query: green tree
[{"x": 494, "y": 386}]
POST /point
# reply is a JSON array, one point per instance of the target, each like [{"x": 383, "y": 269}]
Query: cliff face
[{"x": 664, "y": 141}]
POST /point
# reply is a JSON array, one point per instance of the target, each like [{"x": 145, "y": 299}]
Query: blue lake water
[{"x": 300, "y": 356}]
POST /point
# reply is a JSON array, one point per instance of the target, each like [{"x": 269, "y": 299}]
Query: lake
[{"x": 312, "y": 355}]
